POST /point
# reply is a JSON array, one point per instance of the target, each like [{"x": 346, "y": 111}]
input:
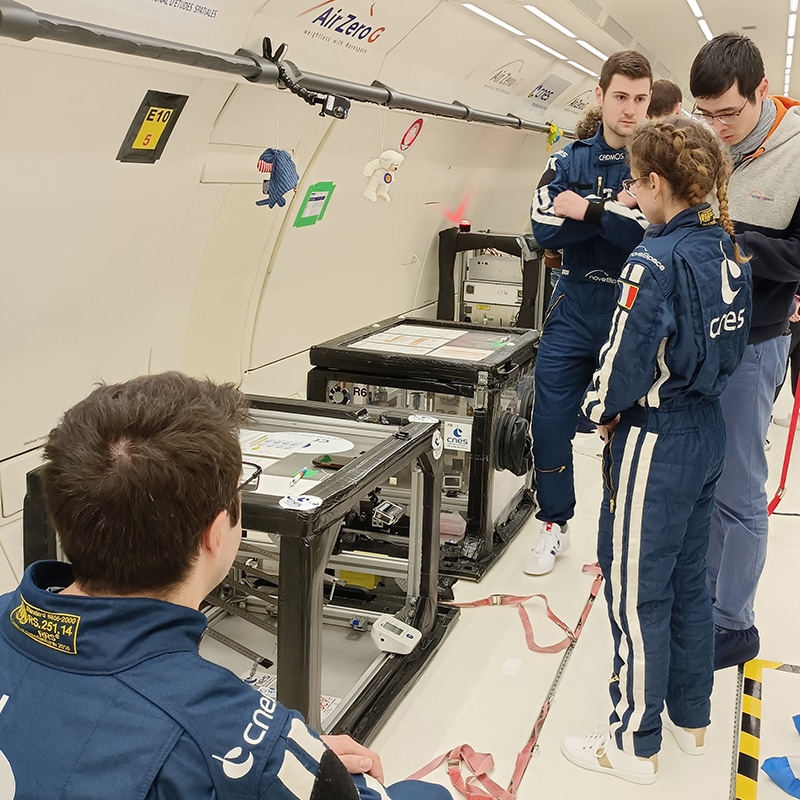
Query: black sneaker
[{"x": 734, "y": 647}]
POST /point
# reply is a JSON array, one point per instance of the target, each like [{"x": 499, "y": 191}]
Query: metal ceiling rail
[{"x": 18, "y": 21}]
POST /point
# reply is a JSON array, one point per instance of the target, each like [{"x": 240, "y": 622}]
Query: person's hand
[
  {"x": 606, "y": 431},
  {"x": 570, "y": 204},
  {"x": 796, "y": 313},
  {"x": 356, "y": 758}
]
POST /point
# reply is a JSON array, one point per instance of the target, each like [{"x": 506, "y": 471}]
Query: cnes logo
[
  {"x": 731, "y": 320},
  {"x": 238, "y": 761},
  {"x": 8, "y": 784},
  {"x": 235, "y": 769}
]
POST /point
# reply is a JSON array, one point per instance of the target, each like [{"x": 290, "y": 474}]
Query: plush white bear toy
[{"x": 380, "y": 172}]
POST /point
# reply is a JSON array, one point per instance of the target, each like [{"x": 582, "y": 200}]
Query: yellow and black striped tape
[{"x": 747, "y": 760}]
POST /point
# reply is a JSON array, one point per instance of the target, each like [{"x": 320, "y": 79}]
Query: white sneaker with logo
[
  {"x": 599, "y": 753},
  {"x": 785, "y": 422},
  {"x": 553, "y": 541}
]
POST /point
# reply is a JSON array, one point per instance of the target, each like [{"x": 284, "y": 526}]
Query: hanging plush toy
[
  {"x": 380, "y": 172},
  {"x": 282, "y": 173},
  {"x": 553, "y": 136}
]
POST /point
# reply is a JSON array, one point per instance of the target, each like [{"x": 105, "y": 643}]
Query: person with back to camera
[
  {"x": 580, "y": 207},
  {"x": 728, "y": 81},
  {"x": 665, "y": 101},
  {"x": 679, "y": 330},
  {"x": 103, "y": 693}
]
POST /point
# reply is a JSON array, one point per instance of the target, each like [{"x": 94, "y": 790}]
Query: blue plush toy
[
  {"x": 785, "y": 770},
  {"x": 283, "y": 176}
]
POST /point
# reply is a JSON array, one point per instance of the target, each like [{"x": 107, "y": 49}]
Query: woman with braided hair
[{"x": 677, "y": 333}]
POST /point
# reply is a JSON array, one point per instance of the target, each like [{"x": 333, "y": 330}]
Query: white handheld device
[{"x": 391, "y": 635}]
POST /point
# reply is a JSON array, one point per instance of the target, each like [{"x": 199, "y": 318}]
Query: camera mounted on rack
[{"x": 333, "y": 105}]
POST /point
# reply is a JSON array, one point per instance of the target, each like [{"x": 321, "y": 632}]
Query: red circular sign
[{"x": 411, "y": 134}]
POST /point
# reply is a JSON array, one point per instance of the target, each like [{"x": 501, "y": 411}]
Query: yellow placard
[{"x": 155, "y": 121}]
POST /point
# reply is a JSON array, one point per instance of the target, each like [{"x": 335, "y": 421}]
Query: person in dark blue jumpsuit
[
  {"x": 103, "y": 693},
  {"x": 678, "y": 331},
  {"x": 580, "y": 207}
]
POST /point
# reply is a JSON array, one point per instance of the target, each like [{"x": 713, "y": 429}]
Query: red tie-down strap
[
  {"x": 518, "y": 600},
  {"x": 789, "y": 442},
  {"x": 478, "y": 785}
]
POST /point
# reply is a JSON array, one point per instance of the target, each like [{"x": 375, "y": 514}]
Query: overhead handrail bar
[{"x": 18, "y": 21}]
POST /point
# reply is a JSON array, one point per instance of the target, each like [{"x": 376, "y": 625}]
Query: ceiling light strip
[
  {"x": 695, "y": 8},
  {"x": 550, "y": 21},
  {"x": 547, "y": 49},
  {"x": 593, "y": 50},
  {"x": 582, "y": 68},
  {"x": 706, "y": 30},
  {"x": 486, "y": 15}
]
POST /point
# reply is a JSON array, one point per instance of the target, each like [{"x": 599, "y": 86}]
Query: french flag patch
[{"x": 627, "y": 294}]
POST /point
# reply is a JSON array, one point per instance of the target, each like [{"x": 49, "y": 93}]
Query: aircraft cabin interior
[{"x": 329, "y": 205}]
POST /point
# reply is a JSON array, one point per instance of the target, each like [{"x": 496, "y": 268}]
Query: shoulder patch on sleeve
[
  {"x": 333, "y": 781},
  {"x": 627, "y": 295}
]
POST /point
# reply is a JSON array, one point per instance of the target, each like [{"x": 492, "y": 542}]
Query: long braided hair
[{"x": 691, "y": 158}]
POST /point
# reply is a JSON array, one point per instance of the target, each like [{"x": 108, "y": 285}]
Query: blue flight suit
[
  {"x": 109, "y": 698},
  {"x": 577, "y": 320},
  {"x": 679, "y": 330}
]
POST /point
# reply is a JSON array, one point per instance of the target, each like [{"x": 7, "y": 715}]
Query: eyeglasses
[
  {"x": 250, "y": 475},
  {"x": 727, "y": 118},
  {"x": 629, "y": 182}
]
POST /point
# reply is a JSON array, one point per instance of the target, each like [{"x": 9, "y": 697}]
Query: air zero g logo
[
  {"x": 238, "y": 761},
  {"x": 503, "y": 75},
  {"x": 336, "y": 20},
  {"x": 731, "y": 320}
]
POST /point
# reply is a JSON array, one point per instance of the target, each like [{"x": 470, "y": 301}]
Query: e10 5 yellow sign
[
  {"x": 151, "y": 127},
  {"x": 154, "y": 125}
]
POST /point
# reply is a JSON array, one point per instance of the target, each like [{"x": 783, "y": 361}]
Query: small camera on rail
[{"x": 336, "y": 106}]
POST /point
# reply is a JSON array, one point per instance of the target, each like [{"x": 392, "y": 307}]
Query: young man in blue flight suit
[
  {"x": 580, "y": 207},
  {"x": 103, "y": 693},
  {"x": 727, "y": 79},
  {"x": 678, "y": 333}
]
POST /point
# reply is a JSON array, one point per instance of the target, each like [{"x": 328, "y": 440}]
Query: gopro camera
[
  {"x": 336, "y": 106},
  {"x": 386, "y": 514}
]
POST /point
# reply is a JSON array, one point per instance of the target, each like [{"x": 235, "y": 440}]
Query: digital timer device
[{"x": 391, "y": 635}]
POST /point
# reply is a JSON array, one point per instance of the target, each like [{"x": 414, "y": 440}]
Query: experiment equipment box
[
  {"x": 319, "y": 466},
  {"x": 478, "y": 380},
  {"x": 491, "y": 278}
]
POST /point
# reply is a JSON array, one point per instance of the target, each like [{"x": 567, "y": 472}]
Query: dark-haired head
[
  {"x": 628, "y": 63},
  {"x": 136, "y": 472},
  {"x": 726, "y": 60},
  {"x": 665, "y": 99}
]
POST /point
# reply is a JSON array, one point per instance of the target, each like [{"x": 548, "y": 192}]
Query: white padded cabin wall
[
  {"x": 88, "y": 242},
  {"x": 366, "y": 261},
  {"x": 112, "y": 269}
]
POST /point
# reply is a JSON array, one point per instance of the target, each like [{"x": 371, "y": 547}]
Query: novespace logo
[{"x": 336, "y": 19}]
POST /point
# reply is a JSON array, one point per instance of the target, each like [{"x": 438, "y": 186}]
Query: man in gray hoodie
[{"x": 732, "y": 94}]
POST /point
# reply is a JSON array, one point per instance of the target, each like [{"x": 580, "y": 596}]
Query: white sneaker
[
  {"x": 786, "y": 422},
  {"x": 599, "y": 753},
  {"x": 686, "y": 740},
  {"x": 553, "y": 541}
]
